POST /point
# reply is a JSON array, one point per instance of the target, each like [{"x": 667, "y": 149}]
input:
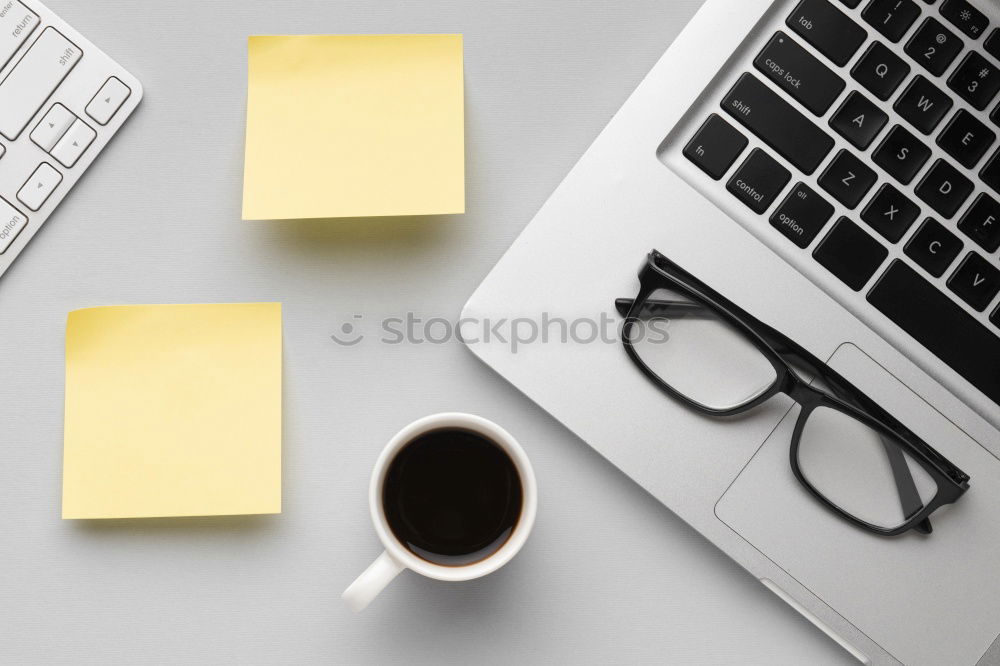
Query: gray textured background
[{"x": 609, "y": 574}]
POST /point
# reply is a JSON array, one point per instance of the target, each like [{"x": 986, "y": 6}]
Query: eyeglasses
[{"x": 846, "y": 450}]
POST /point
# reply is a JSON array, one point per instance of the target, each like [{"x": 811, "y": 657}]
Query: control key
[{"x": 758, "y": 181}]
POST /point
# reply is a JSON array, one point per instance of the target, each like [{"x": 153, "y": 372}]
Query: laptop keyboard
[{"x": 829, "y": 76}]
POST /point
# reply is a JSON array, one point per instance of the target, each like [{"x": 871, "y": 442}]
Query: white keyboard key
[
  {"x": 108, "y": 100},
  {"x": 71, "y": 146},
  {"x": 17, "y": 22},
  {"x": 34, "y": 79},
  {"x": 52, "y": 127},
  {"x": 40, "y": 186},
  {"x": 12, "y": 221},
  {"x": 2, "y": 150}
]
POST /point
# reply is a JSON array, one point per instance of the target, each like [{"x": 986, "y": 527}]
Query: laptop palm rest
[{"x": 945, "y": 583}]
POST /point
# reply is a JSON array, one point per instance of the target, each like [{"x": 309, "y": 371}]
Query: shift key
[
  {"x": 777, "y": 123},
  {"x": 799, "y": 73},
  {"x": 33, "y": 80}
]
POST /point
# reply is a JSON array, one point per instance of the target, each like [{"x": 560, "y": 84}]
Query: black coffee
[{"x": 452, "y": 497}]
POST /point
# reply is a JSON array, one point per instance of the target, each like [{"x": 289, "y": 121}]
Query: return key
[{"x": 799, "y": 73}]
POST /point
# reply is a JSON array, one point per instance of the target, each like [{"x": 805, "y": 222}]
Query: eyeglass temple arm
[{"x": 909, "y": 496}]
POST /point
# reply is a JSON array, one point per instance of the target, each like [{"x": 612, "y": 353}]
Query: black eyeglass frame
[{"x": 660, "y": 272}]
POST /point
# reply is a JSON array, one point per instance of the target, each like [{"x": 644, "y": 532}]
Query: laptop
[{"x": 832, "y": 167}]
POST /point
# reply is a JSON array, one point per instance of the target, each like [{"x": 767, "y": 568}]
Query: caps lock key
[{"x": 799, "y": 73}]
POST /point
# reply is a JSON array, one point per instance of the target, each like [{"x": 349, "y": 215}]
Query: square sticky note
[
  {"x": 353, "y": 126},
  {"x": 173, "y": 410}
]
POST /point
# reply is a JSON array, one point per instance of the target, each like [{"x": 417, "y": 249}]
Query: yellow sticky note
[
  {"x": 354, "y": 126},
  {"x": 173, "y": 410}
]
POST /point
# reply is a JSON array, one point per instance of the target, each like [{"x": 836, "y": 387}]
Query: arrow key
[
  {"x": 40, "y": 186},
  {"x": 976, "y": 281},
  {"x": 55, "y": 123},
  {"x": 74, "y": 143},
  {"x": 108, "y": 100}
]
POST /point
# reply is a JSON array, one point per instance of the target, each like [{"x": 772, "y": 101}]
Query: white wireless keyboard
[{"x": 61, "y": 101}]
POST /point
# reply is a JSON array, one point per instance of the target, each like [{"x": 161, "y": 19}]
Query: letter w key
[{"x": 923, "y": 104}]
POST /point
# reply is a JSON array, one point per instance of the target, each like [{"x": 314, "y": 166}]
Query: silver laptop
[{"x": 833, "y": 168}]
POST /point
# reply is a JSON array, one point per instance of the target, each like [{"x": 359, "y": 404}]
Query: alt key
[{"x": 802, "y": 215}]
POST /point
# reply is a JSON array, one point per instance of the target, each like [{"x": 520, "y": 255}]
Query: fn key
[{"x": 715, "y": 147}]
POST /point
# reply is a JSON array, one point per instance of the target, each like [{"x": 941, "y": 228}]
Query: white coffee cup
[{"x": 396, "y": 556}]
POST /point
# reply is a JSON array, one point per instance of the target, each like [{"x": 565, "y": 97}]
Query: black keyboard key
[
  {"x": 799, "y": 73},
  {"x": 923, "y": 104},
  {"x": 802, "y": 215},
  {"x": 992, "y": 44},
  {"x": 965, "y": 17},
  {"x": 834, "y": 34},
  {"x": 944, "y": 189},
  {"x": 981, "y": 222},
  {"x": 891, "y": 17},
  {"x": 976, "y": 281},
  {"x": 934, "y": 46},
  {"x": 991, "y": 172},
  {"x": 940, "y": 325},
  {"x": 890, "y": 213},
  {"x": 850, "y": 254},
  {"x": 715, "y": 146},
  {"x": 858, "y": 120},
  {"x": 901, "y": 154},
  {"x": 759, "y": 181},
  {"x": 848, "y": 179},
  {"x": 850, "y": 3},
  {"x": 966, "y": 139},
  {"x": 880, "y": 71},
  {"x": 976, "y": 80},
  {"x": 995, "y": 317},
  {"x": 777, "y": 123},
  {"x": 933, "y": 247}
]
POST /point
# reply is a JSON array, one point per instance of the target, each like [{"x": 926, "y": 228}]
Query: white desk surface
[{"x": 609, "y": 575}]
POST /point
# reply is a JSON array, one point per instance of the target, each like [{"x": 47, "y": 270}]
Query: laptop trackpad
[{"x": 925, "y": 599}]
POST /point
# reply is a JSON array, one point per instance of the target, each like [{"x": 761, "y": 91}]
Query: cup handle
[{"x": 368, "y": 585}]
